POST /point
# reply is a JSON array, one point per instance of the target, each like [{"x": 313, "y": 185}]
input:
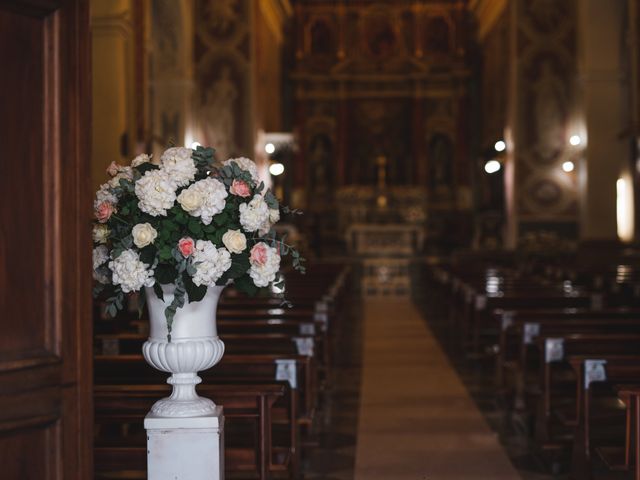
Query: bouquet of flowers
[{"x": 187, "y": 221}]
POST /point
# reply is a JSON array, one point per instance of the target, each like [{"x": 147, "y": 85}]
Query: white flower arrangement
[{"x": 186, "y": 221}]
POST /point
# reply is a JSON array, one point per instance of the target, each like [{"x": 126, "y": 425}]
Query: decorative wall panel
[{"x": 223, "y": 53}]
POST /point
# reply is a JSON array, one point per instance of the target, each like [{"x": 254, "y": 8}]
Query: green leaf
[
  {"x": 158, "y": 291},
  {"x": 165, "y": 274},
  {"x": 145, "y": 167},
  {"x": 195, "y": 292},
  {"x": 245, "y": 284},
  {"x": 271, "y": 200},
  {"x": 148, "y": 254},
  {"x": 181, "y": 217},
  {"x": 127, "y": 242},
  {"x": 165, "y": 253},
  {"x": 142, "y": 300},
  {"x": 239, "y": 265},
  {"x": 221, "y": 218},
  {"x": 195, "y": 226}
]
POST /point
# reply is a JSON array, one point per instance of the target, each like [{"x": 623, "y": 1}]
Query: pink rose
[
  {"x": 240, "y": 188},
  {"x": 113, "y": 169},
  {"x": 259, "y": 254},
  {"x": 104, "y": 211},
  {"x": 186, "y": 245}
]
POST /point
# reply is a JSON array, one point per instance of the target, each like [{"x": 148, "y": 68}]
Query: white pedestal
[{"x": 185, "y": 448}]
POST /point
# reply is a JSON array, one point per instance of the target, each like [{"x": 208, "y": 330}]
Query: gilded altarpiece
[{"x": 382, "y": 80}]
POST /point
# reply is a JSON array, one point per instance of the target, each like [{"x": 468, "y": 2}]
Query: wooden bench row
[
  {"x": 276, "y": 363},
  {"x": 566, "y": 351}
]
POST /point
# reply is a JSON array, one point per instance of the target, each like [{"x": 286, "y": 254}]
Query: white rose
[
  {"x": 235, "y": 241},
  {"x": 140, "y": 159},
  {"x": 190, "y": 199},
  {"x": 100, "y": 233},
  {"x": 143, "y": 234}
]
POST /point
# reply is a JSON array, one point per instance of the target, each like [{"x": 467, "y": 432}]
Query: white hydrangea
[
  {"x": 211, "y": 194},
  {"x": 255, "y": 214},
  {"x": 140, "y": 159},
  {"x": 100, "y": 256},
  {"x": 104, "y": 194},
  {"x": 246, "y": 165},
  {"x": 179, "y": 165},
  {"x": 210, "y": 263},
  {"x": 265, "y": 272},
  {"x": 156, "y": 193},
  {"x": 123, "y": 172},
  {"x": 130, "y": 273},
  {"x": 274, "y": 217}
]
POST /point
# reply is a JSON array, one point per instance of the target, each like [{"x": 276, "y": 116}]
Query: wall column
[
  {"x": 540, "y": 194},
  {"x": 113, "y": 85},
  {"x": 605, "y": 111}
]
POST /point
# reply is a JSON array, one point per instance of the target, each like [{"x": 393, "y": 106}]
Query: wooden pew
[
  {"x": 124, "y": 407},
  {"x": 294, "y": 371},
  {"x": 605, "y": 371},
  {"x": 553, "y": 350}
]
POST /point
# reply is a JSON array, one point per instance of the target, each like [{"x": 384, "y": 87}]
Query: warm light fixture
[
  {"x": 269, "y": 148},
  {"x": 276, "y": 169},
  {"x": 492, "y": 166},
  {"x": 575, "y": 140},
  {"x": 624, "y": 208},
  {"x": 195, "y": 145},
  {"x": 500, "y": 146},
  {"x": 568, "y": 166}
]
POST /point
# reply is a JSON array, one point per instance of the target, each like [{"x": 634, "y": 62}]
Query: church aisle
[{"x": 416, "y": 419}]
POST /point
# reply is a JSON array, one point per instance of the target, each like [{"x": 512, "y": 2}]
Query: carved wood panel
[{"x": 45, "y": 345}]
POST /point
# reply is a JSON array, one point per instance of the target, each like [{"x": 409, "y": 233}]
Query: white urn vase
[{"x": 194, "y": 347}]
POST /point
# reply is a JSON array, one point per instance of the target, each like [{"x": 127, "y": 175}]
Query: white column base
[{"x": 185, "y": 448}]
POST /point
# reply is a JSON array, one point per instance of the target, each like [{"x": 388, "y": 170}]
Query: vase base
[{"x": 171, "y": 408}]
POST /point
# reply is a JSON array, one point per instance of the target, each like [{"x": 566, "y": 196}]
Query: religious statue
[{"x": 218, "y": 114}]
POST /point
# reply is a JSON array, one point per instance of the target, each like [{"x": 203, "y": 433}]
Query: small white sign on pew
[
  {"x": 594, "y": 371},
  {"x": 286, "y": 370}
]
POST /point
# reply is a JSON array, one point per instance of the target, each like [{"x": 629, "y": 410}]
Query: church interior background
[{"x": 468, "y": 173}]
